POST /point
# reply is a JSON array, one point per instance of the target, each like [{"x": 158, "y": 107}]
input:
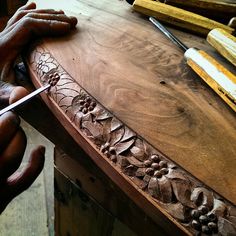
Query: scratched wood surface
[{"x": 139, "y": 76}]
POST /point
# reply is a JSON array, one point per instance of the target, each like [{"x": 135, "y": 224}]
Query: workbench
[{"x": 137, "y": 133}]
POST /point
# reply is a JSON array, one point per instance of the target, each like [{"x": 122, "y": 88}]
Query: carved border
[{"x": 200, "y": 210}]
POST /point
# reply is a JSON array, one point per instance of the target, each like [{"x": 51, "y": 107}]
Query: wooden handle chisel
[
  {"x": 179, "y": 17},
  {"x": 219, "y": 10},
  {"x": 222, "y": 81},
  {"x": 224, "y": 43}
]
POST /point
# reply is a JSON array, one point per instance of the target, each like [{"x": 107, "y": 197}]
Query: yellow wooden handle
[
  {"x": 217, "y": 5},
  {"x": 224, "y": 43},
  {"x": 222, "y": 81},
  {"x": 178, "y": 17}
]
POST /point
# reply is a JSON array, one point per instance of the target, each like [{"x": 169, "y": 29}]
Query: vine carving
[{"x": 187, "y": 200}]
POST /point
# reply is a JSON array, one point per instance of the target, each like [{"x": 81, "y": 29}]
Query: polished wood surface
[
  {"x": 128, "y": 61},
  {"x": 132, "y": 71}
]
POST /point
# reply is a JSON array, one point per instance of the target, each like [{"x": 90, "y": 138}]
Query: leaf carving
[
  {"x": 219, "y": 208},
  {"x": 160, "y": 189},
  {"x": 201, "y": 196},
  {"x": 116, "y": 136},
  {"x": 115, "y": 124},
  {"x": 109, "y": 134},
  {"x": 225, "y": 227},
  {"x": 182, "y": 191},
  {"x": 165, "y": 190},
  {"x": 122, "y": 147},
  {"x": 132, "y": 160},
  {"x": 103, "y": 115},
  {"x": 177, "y": 210},
  {"x": 95, "y": 129},
  {"x": 153, "y": 188},
  {"x": 174, "y": 174},
  {"x": 106, "y": 130},
  {"x": 139, "y": 153},
  {"x": 141, "y": 184},
  {"x": 140, "y": 172},
  {"x": 128, "y": 134}
]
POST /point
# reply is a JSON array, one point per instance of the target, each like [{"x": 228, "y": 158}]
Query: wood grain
[
  {"x": 127, "y": 159},
  {"x": 106, "y": 193},
  {"x": 140, "y": 77},
  {"x": 182, "y": 118}
]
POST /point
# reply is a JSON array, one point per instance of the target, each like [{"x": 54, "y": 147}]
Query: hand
[
  {"x": 12, "y": 148},
  {"x": 29, "y": 23}
]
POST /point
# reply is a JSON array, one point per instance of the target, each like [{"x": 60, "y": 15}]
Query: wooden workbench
[{"x": 147, "y": 123}]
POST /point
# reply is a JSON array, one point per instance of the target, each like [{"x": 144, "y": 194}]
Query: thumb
[
  {"x": 17, "y": 93},
  {"x": 19, "y": 182}
]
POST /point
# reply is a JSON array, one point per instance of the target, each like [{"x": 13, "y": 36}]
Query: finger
[
  {"x": 25, "y": 29},
  {"x": 19, "y": 182},
  {"x": 41, "y": 27},
  {"x": 22, "y": 77},
  {"x": 12, "y": 156},
  {"x": 55, "y": 17},
  {"x": 21, "y": 13},
  {"x": 5, "y": 91},
  {"x": 26, "y": 7},
  {"x": 9, "y": 125},
  {"x": 17, "y": 93},
  {"x": 10, "y": 94}
]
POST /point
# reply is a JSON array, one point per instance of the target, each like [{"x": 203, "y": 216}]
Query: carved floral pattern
[{"x": 196, "y": 207}]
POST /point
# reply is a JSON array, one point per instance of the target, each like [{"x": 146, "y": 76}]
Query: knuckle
[
  {"x": 21, "y": 13},
  {"x": 30, "y": 15},
  {"x": 24, "y": 23},
  {"x": 26, "y": 20}
]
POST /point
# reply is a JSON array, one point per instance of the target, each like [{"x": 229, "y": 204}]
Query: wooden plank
[
  {"x": 179, "y": 118},
  {"x": 105, "y": 192},
  {"x": 78, "y": 214},
  {"x": 170, "y": 114}
]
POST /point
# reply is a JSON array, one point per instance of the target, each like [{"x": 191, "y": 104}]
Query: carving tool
[
  {"x": 179, "y": 17},
  {"x": 222, "y": 81},
  {"x": 232, "y": 23},
  {"x": 220, "y": 10},
  {"x": 224, "y": 43},
  {"x": 25, "y": 99}
]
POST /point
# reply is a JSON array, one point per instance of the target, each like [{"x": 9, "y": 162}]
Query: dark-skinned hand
[
  {"x": 12, "y": 148},
  {"x": 27, "y": 24}
]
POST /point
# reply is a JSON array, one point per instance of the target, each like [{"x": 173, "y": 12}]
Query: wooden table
[{"x": 151, "y": 129}]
